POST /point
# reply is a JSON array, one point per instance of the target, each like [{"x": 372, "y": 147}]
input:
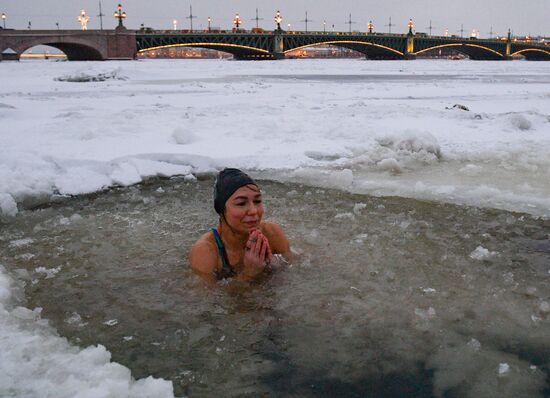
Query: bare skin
[{"x": 249, "y": 241}]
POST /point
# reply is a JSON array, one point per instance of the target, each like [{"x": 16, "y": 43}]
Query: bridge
[{"x": 127, "y": 44}]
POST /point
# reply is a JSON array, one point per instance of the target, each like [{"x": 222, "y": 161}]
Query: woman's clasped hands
[{"x": 257, "y": 253}]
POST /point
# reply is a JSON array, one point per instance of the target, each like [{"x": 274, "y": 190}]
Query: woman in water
[{"x": 243, "y": 245}]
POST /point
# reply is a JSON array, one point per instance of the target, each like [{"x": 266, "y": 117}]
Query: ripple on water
[{"x": 389, "y": 297}]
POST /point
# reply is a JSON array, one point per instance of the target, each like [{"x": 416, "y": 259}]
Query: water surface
[{"x": 388, "y": 296}]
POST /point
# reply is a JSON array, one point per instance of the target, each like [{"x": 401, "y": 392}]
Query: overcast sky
[{"x": 523, "y": 16}]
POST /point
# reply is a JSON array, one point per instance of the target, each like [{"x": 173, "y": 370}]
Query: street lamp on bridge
[
  {"x": 209, "y": 21},
  {"x": 4, "y": 19},
  {"x": 175, "y": 24},
  {"x": 278, "y": 20},
  {"x": 410, "y": 25},
  {"x": 370, "y": 26},
  {"x": 83, "y": 19},
  {"x": 120, "y": 15},
  {"x": 237, "y": 21}
]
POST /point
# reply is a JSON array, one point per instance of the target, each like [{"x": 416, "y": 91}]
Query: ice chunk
[
  {"x": 358, "y": 207},
  {"x": 49, "y": 272},
  {"x": 292, "y": 193},
  {"x": 26, "y": 314},
  {"x": 21, "y": 242},
  {"x": 341, "y": 216},
  {"x": 544, "y": 307},
  {"x": 390, "y": 165},
  {"x": 503, "y": 369},
  {"x": 8, "y": 206},
  {"x": 75, "y": 217},
  {"x": 425, "y": 314},
  {"x": 481, "y": 253},
  {"x": 474, "y": 344},
  {"x": 76, "y": 320},
  {"x": 111, "y": 322}
]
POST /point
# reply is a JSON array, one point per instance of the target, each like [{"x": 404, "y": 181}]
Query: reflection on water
[{"x": 390, "y": 296}]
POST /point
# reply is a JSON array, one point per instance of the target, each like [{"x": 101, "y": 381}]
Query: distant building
[{"x": 183, "y": 52}]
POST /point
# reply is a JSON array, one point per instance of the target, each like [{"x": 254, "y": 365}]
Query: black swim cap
[{"x": 227, "y": 182}]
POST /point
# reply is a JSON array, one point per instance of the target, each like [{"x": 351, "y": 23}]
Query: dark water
[{"x": 388, "y": 297}]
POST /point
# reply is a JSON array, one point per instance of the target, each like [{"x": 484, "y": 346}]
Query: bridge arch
[
  {"x": 237, "y": 50},
  {"x": 474, "y": 51},
  {"x": 371, "y": 50},
  {"x": 75, "y": 48},
  {"x": 533, "y": 54}
]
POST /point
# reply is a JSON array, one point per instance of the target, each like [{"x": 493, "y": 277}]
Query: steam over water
[{"x": 388, "y": 296}]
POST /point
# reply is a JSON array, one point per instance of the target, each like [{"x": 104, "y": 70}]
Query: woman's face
[{"x": 244, "y": 209}]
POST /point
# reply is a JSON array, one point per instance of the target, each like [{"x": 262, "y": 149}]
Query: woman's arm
[{"x": 204, "y": 259}]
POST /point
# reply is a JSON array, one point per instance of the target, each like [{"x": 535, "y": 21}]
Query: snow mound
[
  {"x": 411, "y": 141},
  {"x": 520, "y": 122},
  {"x": 183, "y": 137}
]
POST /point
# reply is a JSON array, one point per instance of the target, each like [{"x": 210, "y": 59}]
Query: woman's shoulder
[
  {"x": 269, "y": 227},
  {"x": 276, "y": 236}
]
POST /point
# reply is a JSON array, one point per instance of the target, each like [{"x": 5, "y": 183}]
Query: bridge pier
[
  {"x": 278, "y": 44},
  {"x": 409, "y": 51}
]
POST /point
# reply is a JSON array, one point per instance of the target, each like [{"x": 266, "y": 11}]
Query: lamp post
[
  {"x": 120, "y": 15},
  {"x": 209, "y": 21},
  {"x": 57, "y": 25},
  {"x": 4, "y": 20},
  {"x": 278, "y": 20},
  {"x": 29, "y": 26},
  {"x": 237, "y": 21},
  {"x": 371, "y": 26},
  {"x": 190, "y": 18},
  {"x": 175, "y": 24},
  {"x": 410, "y": 25},
  {"x": 325, "y": 26}
]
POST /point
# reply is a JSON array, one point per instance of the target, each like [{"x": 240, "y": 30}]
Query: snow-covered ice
[{"x": 385, "y": 128}]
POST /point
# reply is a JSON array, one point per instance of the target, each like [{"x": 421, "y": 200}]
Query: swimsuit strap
[{"x": 226, "y": 270}]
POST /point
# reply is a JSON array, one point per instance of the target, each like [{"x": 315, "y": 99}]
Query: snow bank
[
  {"x": 280, "y": 120},
  {"x": 35, "y": 362}
]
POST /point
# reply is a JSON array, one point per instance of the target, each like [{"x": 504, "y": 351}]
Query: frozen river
[{"x": 417, "y": 193}]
